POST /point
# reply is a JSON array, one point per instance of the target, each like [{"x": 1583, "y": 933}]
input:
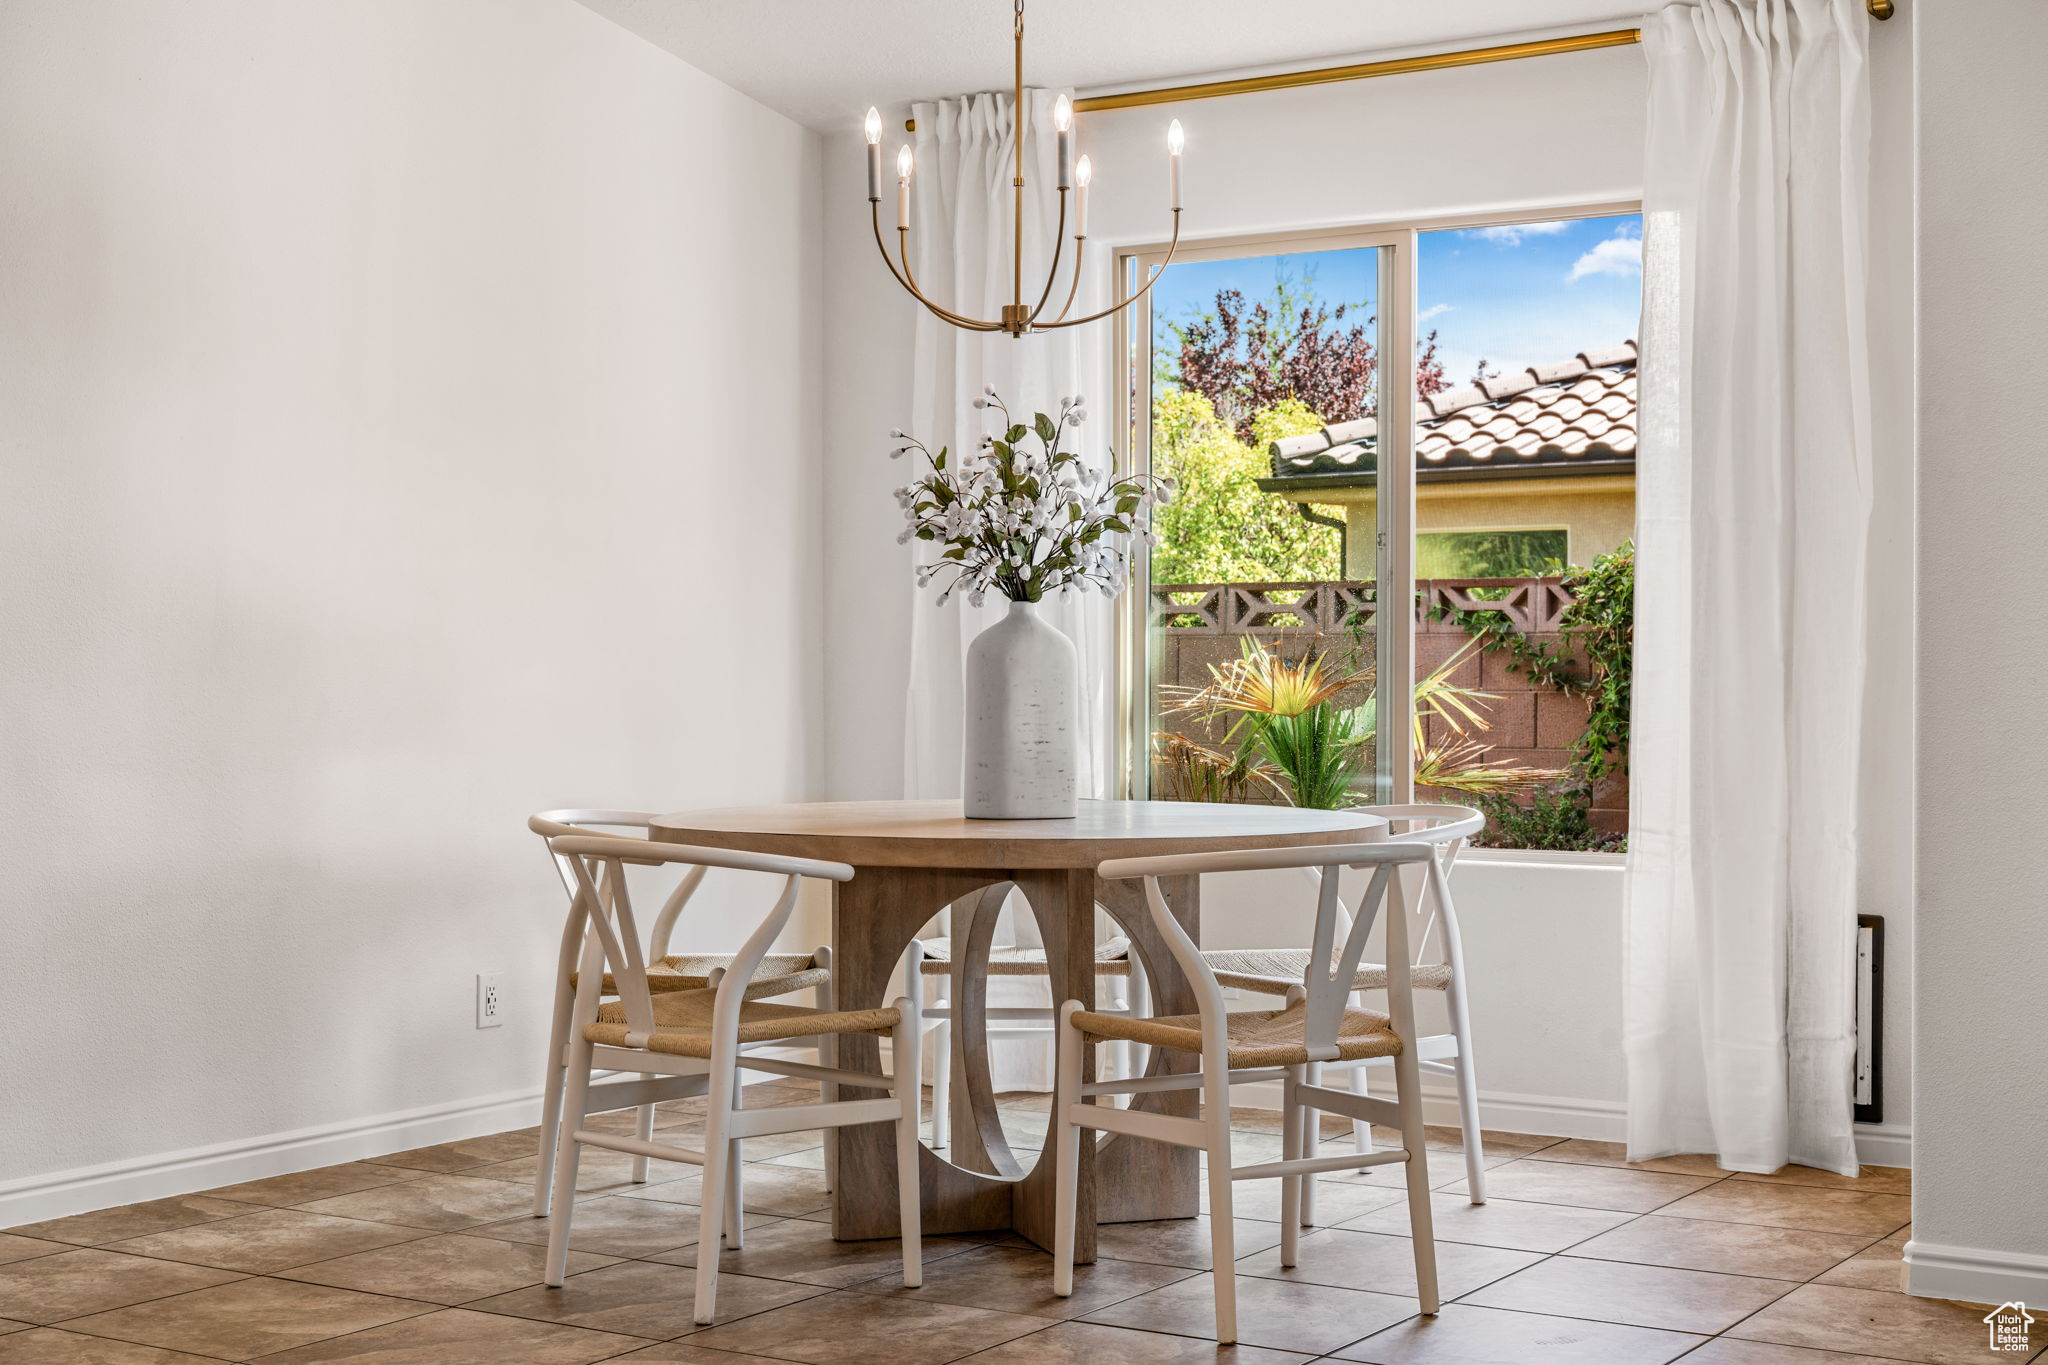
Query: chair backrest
[
  {"x": 550, "y": 824},
  {"x": 1446, "y": 829},
  {"x": 1339, "y": 938},
  {"x": 601, "y": 920}
]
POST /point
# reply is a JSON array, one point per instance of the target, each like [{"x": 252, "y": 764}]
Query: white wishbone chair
[
  {"x": 697, "y": 1040},
  {"x": 1423, "y": 891},
  {"x": 1318, "y": 1024},
  {"x": 778, "y": 974}
]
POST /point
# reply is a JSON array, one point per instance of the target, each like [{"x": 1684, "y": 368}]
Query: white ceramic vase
[{"x": 1021, "y": 697}]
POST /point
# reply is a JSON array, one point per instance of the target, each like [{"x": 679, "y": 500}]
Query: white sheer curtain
[
  {"x": 1754, "y": 497},
  {"x": 961, "y": 215},
  {"x": 961, "y": 224}
]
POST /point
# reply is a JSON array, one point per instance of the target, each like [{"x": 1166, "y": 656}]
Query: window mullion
[{"x": 1394, "y": 622}]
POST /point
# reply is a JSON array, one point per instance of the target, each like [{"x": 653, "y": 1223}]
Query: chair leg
[
  {"x": 907, "y": 1048},
  {"x": 1421, "y": 1220},
  {"x": 711, "y": 1214},
  {"x": 551, "y": 1107},
  {"x": 828, "y": 1056},
  {"x": 1222, "y": 1218},
  {"x": 736, "y": 1197},
  {"x": 568, "y": 1154},
  {"x": 1066, "y": 1139},
  {"x": 733, "y": 1158},
  {"x": 643, "y": 1129},
  {"x": 1140, "y": 995},
  {"x": 550, "y": 1132},
  {"x": 942, "y": 1080},
  {"x": 1361, "y": 1131},
  {"x": 1467, "y": 1079},
  {"x": 1312, "y": 1074},
  {"x": 1292, "y": 1147}
]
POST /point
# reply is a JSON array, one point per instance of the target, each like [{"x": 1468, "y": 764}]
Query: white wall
[
  {"x": 1884, "y": 883},
  {"x": 408, "y": 414},
  {"x": 1980, "y": 1201}
]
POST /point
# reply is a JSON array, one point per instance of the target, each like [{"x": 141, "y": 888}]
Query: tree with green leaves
[{"x": 1220, "y": 527}]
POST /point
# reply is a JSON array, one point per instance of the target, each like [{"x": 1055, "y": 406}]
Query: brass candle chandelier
[{"x": 1018, "y": 317}]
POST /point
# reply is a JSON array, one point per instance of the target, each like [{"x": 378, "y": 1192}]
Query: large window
[{"x": 1440, "y": 416}]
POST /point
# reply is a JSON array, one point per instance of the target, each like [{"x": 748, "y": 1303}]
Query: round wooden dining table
[{"x": 912, "y": 860}]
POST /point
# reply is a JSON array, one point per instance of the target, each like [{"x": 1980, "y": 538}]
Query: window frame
[{"x": 1396, "y": 511}]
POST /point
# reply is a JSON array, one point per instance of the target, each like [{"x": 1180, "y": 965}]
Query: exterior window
[
  {"x": 1441, "y": 415},
  {"x": 1491, "y": 554},
  {"x": 1256, "y": 595}
]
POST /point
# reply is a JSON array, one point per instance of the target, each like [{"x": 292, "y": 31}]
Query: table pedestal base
[{"x": 1122, "y": 1179}]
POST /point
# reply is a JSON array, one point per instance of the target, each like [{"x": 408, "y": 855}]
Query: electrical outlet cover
[{"x": 490, "y": 999}]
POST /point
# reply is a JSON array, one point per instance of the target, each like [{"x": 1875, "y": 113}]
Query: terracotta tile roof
[{"x": 1575, "y": 412}]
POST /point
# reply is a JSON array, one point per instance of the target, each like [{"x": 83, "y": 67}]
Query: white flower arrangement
[{"x": 1025, "y": 522}]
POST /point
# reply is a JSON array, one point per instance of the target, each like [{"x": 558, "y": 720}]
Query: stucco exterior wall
[{"x": 1599, "y": 513}]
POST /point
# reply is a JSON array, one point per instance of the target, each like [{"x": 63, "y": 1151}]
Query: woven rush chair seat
[
  {"x": 1258, "y": 1038},
  {"x": 1112, "y": 958},
  {"x": 1271, "y": 971},
  {"x": 682, "y": 1023},
  {"x": 778, "y": 974}
]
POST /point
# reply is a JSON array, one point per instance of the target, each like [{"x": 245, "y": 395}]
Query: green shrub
[{"x": 1558, "y": 817}]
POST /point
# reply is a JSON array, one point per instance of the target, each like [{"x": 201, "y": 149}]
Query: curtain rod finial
[{"x": 1881, "y": 9}]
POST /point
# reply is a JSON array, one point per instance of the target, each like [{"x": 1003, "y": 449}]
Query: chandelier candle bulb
[
  {"x": 903, "y": 187},
  {"x": 873, "y": 128},
  {"x": 1175, "y": 140},
  {"x": 1063, "y": 124},
  {"x": 1083, "y": 173}
]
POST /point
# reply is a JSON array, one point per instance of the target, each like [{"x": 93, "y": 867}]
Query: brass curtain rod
[{"x": 1436, "y": 61}]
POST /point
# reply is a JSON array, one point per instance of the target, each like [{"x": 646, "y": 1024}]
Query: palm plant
[
  {"x": 1285, "y": 711},
  {"x": 1284, "y": 716}
]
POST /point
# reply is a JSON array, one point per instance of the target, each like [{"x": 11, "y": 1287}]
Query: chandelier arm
[
  {"x": 1143, "y": 290},
  {"x": 1073, "y": 289},
  {"x": 968, "y": 324},
  {"x": 910, "y": 277},
  {"x": 1059, "y": 242}
]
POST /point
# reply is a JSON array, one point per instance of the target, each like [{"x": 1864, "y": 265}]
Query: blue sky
[{"x": 1522, "y": 295}]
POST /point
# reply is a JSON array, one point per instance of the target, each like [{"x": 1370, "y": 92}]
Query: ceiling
[{"x": 823, "y": 62}]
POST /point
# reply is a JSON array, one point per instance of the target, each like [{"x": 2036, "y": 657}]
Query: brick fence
[{"x": 1199, "y": 625}]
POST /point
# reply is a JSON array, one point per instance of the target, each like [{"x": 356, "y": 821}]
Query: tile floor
[{"x": 429, "y": 1256}]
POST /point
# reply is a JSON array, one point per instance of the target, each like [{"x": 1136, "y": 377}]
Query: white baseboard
[
  {"x": 1544, "y": 1115},
  {"x": 1975, "y": 1276},
  {"x": 1559, "y": 1116},
  {"x": 82, "y": 1189},
  {"x": 1884, "y": 1144}
]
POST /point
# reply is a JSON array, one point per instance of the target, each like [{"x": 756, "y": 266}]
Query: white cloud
[
  {"x": 1621, "y": 256},
  {"x": 1511, "y": 234},
  {"x": 1435, "y": 311}
]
